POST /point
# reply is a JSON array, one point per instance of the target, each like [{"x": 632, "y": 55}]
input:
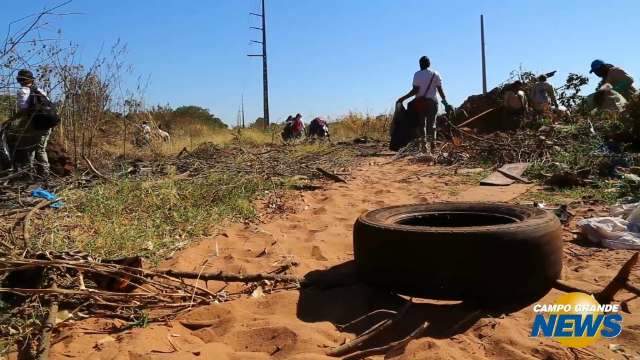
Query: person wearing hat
[
  {"x": 543, "y": 96},
  {"x": 618, "y": 78},
  {"x": 427, "y": 84},
  {"x": 28, "y": 144}
]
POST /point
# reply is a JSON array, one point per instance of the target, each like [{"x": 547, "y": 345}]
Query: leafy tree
[
  {"x": 258, "y": 124},
  {"x": 198, "y": 114}
]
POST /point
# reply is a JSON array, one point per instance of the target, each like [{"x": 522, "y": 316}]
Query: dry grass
[{"x": 357, "y": 125}]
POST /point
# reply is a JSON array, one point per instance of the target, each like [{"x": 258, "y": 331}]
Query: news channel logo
[{"x": 576, "y": 320}]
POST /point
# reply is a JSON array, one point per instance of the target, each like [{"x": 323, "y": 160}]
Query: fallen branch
[
  {"x": 475, "y": 118},
  {"x": 94, "y": 170},
  {"x": 229, "y": 277},
  {"x": 351, "y": 323},
  {"x": 331, "y": 176},
  {"x": 357, "y": 342},
  {"x": 391, "y": 347},
  {"x": 13, "y": 176}
]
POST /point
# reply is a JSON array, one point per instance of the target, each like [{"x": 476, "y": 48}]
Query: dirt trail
[{"x": 300, "y": 325}]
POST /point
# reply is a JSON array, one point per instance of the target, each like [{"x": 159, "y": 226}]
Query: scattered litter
[
  {"x": 623, "y": 210},
  {"x": 44, "y": 194},
  {"x": 258, "y": 292},
  {"x": 563, "y": 213},
  {"x": 616, "y": 348},
  {"x": 610, "y": 232}
]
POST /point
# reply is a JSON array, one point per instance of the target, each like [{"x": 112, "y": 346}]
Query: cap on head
[
  {"x": 25, "y": 74},
  {"x": 596, "y": 65},
  {"x": 424, "y": 62}
]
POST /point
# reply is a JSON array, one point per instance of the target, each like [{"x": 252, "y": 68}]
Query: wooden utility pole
[
  {"x": 265, "y": 77},
  {"x": 484, "y": 62}
]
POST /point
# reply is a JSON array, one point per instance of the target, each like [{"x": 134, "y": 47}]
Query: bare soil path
[{"x": 301, "y": 325}]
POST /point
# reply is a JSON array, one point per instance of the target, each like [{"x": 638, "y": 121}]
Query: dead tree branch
[
  {"x": 391, "y": 348},
  {"x": 356, "y": 343}
]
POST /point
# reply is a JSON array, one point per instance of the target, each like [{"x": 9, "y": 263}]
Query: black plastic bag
[{"x": 402, "y": 129}]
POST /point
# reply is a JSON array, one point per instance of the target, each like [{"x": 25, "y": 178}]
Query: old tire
[{"x": 469, "y": 251}]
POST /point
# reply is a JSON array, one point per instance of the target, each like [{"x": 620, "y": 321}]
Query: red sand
[{"x": 288, "y": 325}]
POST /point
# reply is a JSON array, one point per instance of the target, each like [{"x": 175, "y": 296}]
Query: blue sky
[{"x": 329, "y": 57}]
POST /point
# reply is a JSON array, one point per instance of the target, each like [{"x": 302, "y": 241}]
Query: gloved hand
[{"x": 448, "y": 108}]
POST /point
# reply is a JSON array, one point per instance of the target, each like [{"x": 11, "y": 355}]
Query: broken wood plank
[
  {"x": 497, "y": 178},
  {"x": 514, "y": 176}
]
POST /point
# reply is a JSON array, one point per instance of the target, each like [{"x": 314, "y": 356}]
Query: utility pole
[
  {"x": 484, "y": 62},
  {"x": 265, "y": 77}
]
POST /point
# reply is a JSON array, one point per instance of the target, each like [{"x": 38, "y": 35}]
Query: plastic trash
[
  {"x": 610, "y": 232},
  {"x": 44, "y": 194},
  {"x": 623, "y": 210}
]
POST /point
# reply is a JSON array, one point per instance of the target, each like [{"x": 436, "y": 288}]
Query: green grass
[
  {"x": 601, "y": 192},
  {"x": 148, "y": 218}
]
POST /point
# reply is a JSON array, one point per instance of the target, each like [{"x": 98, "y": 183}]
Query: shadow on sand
[{"x": 335, "y": 295}]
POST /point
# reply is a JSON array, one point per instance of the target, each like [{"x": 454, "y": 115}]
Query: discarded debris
[{"x": 507, "y": 175}]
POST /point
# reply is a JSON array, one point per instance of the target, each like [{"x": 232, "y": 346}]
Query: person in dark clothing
[
  {"x": 318, "y": 128},
  {"x": 27, "y": 143}
]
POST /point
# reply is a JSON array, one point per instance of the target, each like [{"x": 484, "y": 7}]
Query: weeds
[
  {"x": 148, "y": 218},
  {"x": 600, "y": 192}
]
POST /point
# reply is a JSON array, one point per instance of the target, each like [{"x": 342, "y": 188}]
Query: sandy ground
[{"x": 301, "y": 325}]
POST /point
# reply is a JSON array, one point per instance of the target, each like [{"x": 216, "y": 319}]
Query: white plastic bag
[{"x": 610, "y": 232}]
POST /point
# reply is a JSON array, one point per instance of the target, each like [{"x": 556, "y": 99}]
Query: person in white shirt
[
  {"x": 426, "y": 85},
  {"x": 146, "y": 133},
  {"x": 28, "y": 145},
  {"x": 543, "y": 96}
]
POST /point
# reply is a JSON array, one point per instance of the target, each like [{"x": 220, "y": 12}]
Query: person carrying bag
[{"x": 427, "y": 84}]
